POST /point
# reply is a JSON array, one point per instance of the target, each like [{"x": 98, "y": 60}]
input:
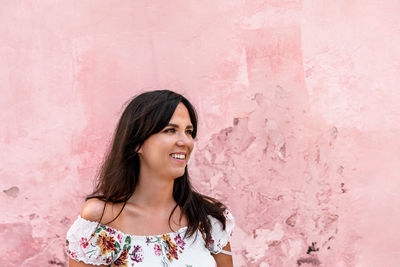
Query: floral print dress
[{"x": 99, "y": 244}]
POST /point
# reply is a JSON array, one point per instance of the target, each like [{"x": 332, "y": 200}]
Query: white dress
[{"x": 109, "y": 246}]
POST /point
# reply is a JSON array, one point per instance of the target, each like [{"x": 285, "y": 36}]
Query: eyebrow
[{"x": 177, "y": 126}]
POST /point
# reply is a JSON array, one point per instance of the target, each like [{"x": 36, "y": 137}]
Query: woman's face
[{"x": 166, "y": 153}]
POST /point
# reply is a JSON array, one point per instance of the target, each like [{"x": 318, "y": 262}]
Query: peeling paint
[
  {"x": 291, "y": 221},
  {"x": 309, "y": 260},
  {"x": 298, "y": 107},
  {"x": 12, "y": 191}
]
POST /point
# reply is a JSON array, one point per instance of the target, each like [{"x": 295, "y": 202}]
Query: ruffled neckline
[{"x": 179, "y": 231}]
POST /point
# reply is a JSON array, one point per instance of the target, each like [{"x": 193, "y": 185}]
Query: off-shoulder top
[{"x": 108, "y": 246}]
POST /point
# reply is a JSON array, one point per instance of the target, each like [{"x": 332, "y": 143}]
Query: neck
[{"x": 153, "y": 192}]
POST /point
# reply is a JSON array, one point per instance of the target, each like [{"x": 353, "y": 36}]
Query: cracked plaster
[{"x": 298, "y": 105}]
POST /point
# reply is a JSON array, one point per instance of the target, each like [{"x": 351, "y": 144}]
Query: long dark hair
[{"x": 147, "y": 114}]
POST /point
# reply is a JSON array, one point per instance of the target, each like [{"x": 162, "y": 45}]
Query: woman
[{"x": 144, "y": 211}]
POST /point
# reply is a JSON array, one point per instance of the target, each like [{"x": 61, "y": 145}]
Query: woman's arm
[
  {"x": 74, "y": 263},
  {"x": 224, "y": 260}
]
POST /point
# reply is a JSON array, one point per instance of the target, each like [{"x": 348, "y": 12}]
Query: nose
[{"x": 184, "y": 140}]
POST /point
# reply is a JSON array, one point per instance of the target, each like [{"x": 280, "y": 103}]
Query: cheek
[{"x": 191, "y": 146}]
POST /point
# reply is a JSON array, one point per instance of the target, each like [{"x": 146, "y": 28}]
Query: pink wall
[{"x": 299, "y": 118}]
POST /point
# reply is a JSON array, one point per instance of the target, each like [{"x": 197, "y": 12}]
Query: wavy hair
[{"x": 147, "y": 114}]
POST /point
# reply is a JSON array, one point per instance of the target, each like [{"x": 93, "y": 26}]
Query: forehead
[{"x": 181, "y": 115}]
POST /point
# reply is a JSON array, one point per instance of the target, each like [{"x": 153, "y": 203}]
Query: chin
[{"x": 178, "y": 174}]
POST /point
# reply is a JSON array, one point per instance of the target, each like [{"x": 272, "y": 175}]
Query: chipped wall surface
[{"x": 299, "y": 118}]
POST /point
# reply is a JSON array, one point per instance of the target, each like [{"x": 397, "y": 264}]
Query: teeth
[{"x": 178, "y": 156}]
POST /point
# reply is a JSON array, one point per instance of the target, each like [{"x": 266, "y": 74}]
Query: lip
[{"x": 181, "y": 161}]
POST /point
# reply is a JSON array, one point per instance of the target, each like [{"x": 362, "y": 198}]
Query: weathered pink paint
[{"x": 299, "y": 118}]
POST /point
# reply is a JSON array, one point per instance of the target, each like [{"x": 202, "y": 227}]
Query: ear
[{"x": 139, "y": 151}]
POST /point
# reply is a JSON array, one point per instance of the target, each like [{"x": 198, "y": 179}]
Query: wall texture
[{"x": 299, "y": 118}]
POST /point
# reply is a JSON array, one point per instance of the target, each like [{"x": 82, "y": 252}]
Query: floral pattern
[
  {"x": 99, "y": 244},
  {"x": 106, "y": 243},
  {"x": 180, "y": 242},
  {"x": 72, "y": 253},
  {"x": 137, "y": 254},
  {"x": 157, "y": 250},
  {"x": 170, "y": 247},
  {"x": 83, "y": 242},
  {"x": 122, "y": 260}
]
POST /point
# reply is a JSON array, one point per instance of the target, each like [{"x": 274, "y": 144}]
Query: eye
[
  {"x": 170, "y": 130},
  {"x": 190, "y": 132}
]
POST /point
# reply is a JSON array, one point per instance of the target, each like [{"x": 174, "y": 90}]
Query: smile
[{"x": 178, "y": 156}]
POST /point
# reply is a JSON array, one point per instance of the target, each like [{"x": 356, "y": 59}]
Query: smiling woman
[
  {"x": 165, "y": 154},
  {"x": 144, "y": 210}
]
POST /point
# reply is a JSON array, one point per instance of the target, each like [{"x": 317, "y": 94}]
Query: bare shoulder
[{"x": 93, "y": 209}]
